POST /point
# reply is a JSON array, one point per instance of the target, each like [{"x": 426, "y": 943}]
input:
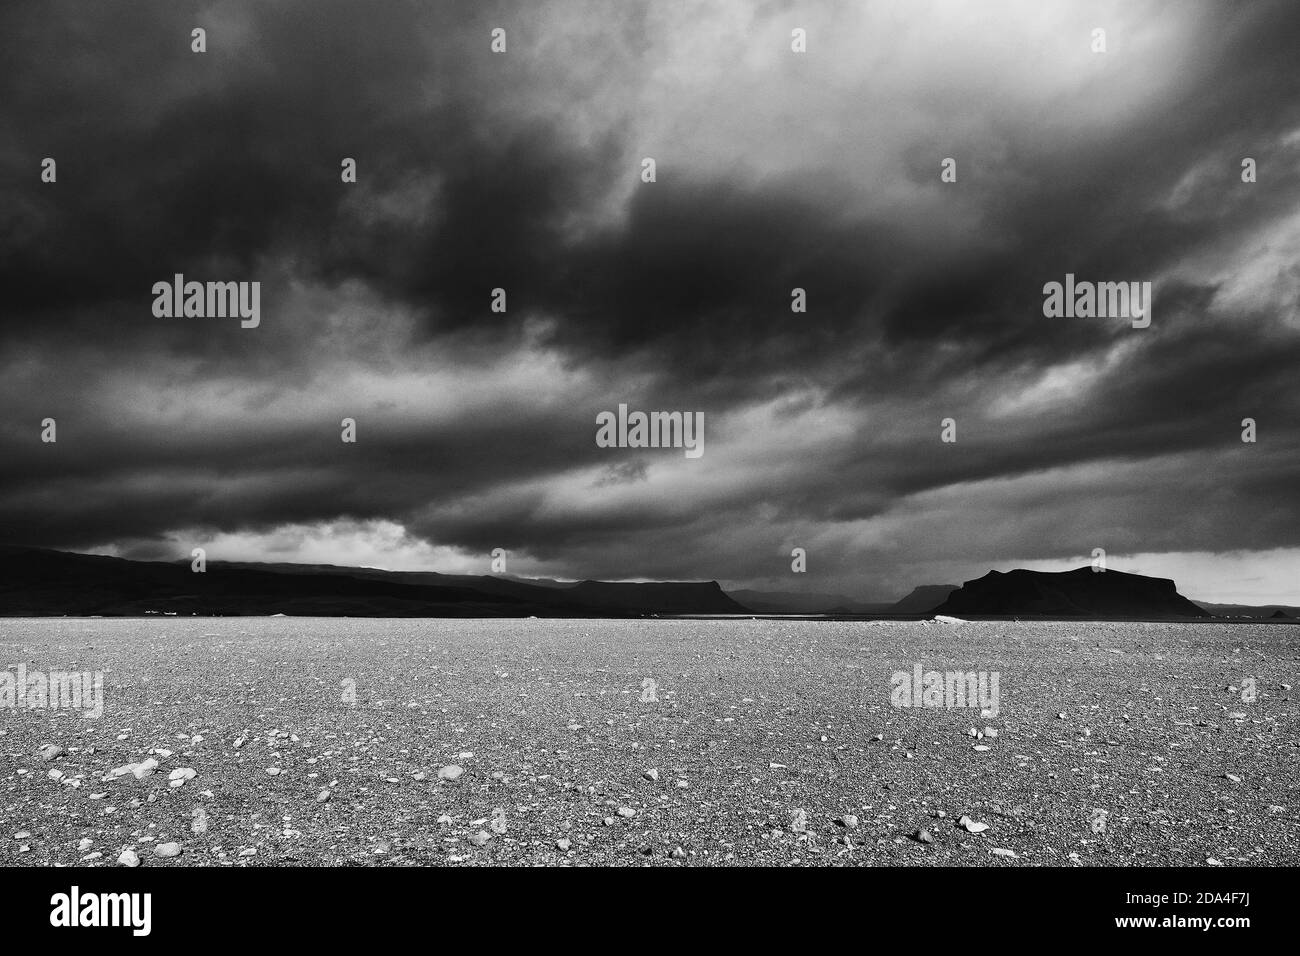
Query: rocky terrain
[{"x": 262, "y": 742}]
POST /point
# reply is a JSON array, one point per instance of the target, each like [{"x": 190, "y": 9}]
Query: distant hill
[
  {"x": 1078, "y": 593},
  {"x": 40, "y": 583},
  {"x": 1270, "y": 611},
  {"x": 804, "y": 602},
  {"x": 923, "y": 599}
]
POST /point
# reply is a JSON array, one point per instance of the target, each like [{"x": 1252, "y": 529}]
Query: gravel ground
[{"x": 771, "y": 742}]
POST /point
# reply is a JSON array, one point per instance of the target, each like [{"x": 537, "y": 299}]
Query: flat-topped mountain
[
  {"x": 39, "y": 583},
  {"x": 1078, "y": 593}
]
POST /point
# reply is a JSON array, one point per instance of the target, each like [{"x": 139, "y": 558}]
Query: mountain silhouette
[
  {"x": 1262, "y": 611},
  {"x": 805, "y": 602},
  {"x": 37, "y": 583},
  {"x": 923, "y": 599},
  {"x": 1082, "y": 592}
]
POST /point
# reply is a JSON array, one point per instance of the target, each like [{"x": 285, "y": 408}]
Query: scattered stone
[
  {"x": 199, "y": 820},
  {"x": 608, "y": 821},
  {"x": 1010, "y": 854},
  {"x": 652, "y": 774},
  {"x": 51, "y": 751},
  {"x": 626, "y": 812},
  {"x": 971, "y": 826},
  {"x": 498, "y": 824},
  {"x": 799, "y": 821},
  {"x": 923, "y": 836},
  {"x": 129, "y": 858},
  {"x": 85, "y": 844},
  {"x": 167, "y": 850},
  {"x": 981, "y": 748},
  {"x": 323, "y": 796},
  {"x": 1233, "y": 777},
  {"x": 250, "y": 851},
  {"x": 451, "y": 772},
  {"x": 678, "y": 853},
  {"x": 138, "y": 770},
  {"x": 273, "y": 771},
  {"x": 182, "y": 774},
  {"x": 480, "y": 838},
  {"x": 990, "y": 732},
  {"x": 563, "y": 844},
  {"x": 848, "y": 821}
]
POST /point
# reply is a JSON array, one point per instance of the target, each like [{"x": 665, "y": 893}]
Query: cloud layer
[{"x": 775, "y": 170}]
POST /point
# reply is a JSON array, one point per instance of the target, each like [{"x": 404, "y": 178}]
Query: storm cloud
[{"x": 775, "y": 170}]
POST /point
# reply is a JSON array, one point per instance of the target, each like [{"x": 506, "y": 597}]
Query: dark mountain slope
[
  {"x": 924, "y": 599},
  {"x": 37, "y": 583},
  {"x": 1078, "y": 593}
]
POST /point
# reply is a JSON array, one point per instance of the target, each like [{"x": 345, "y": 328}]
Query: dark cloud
[{"x": 521, "y": 171}]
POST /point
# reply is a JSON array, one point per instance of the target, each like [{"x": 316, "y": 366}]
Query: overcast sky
[{"x": 821, "y": 170}]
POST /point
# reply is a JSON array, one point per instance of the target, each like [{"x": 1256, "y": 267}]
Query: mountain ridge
[
  {"x": 39, "y": 582},
  {"x": 1082, "y": 592}
]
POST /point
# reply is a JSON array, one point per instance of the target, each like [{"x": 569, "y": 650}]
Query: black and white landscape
[{"x": 731, "y": 434}]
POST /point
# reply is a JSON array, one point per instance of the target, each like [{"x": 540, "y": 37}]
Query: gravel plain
[{"x": 339, "y": 742}]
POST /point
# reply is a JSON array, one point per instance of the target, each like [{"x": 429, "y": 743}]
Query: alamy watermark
[
  {"x": 208, "y": 300},
  {"x": 945, "y": 689},
  {"x": 58, "y": 690},
  {"x": 651, "y": 430},
  {"x": 1101, "y": 300}
]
